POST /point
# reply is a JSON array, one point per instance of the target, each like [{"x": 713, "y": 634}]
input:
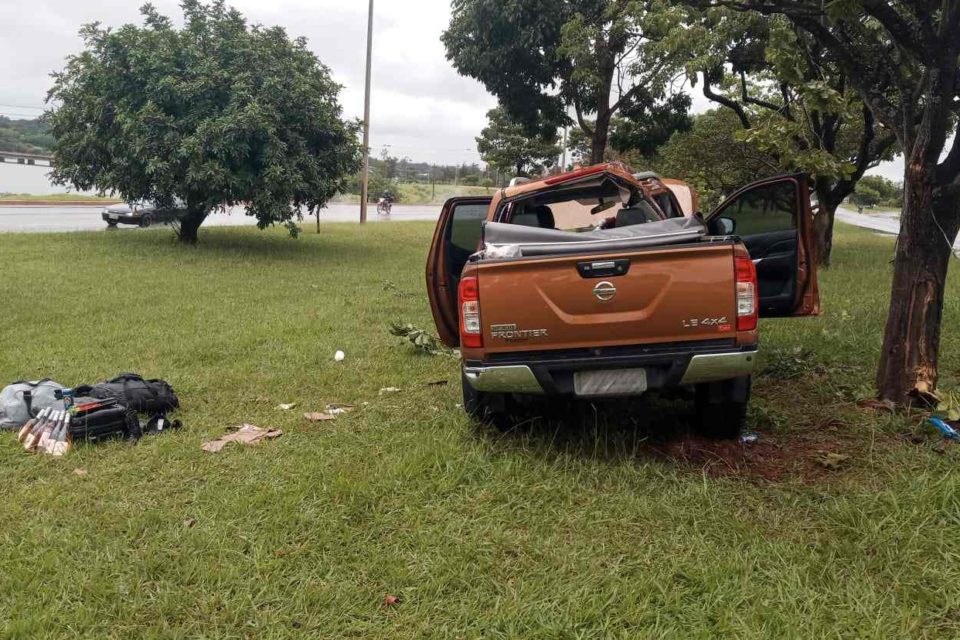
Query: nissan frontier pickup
[{"x": 598, "y": 283}]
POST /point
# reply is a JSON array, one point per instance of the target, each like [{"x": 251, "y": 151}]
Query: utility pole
[
  {"x": 365, "y": 178},
  {"x": 563, "y": 163}
]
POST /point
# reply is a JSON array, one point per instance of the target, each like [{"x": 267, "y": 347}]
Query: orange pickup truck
[{"x": 600, "y": 283}]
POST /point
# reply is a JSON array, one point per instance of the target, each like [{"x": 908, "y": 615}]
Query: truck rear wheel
[
  {"x": 721, "y": 407},
  {"x": 486, "y": 407}
]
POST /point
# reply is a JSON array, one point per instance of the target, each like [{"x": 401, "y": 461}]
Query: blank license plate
[{"x": 613, "y": 382}]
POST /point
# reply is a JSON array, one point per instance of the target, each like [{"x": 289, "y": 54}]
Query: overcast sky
[{"x": 421, "y": 107}]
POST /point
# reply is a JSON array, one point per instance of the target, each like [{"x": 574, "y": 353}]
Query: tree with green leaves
[
  {"x": 504, "y": 145},
  {"x": 889, "y": 193},
  {"x": 711, "y": 158},
  {"x": 793, "y": 101},
  {"x": 602, "y": 58},
  {"x": 903, "y": 58},
  {"x": 216, "y": 113}
]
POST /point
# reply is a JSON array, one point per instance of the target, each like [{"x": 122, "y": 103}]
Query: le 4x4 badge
[{"x": 721, "y": 323}]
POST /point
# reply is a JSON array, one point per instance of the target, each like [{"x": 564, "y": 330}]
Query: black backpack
[{"x": 133, "y": 392}]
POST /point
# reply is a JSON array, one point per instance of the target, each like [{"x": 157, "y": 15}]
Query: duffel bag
[
  {"x": 16, "y": 409},
  {"x": 131, "y": 390}
]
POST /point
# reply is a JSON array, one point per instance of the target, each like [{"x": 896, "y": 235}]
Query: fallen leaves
[
  {"x": 831, "y": 460},
  {"x": 287, "y": 407},
  {"x": 244, "y": 434},
  {"x": 422, "y": 340}
]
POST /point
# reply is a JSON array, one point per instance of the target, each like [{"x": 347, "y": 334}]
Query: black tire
[
  {"x": 111, "y": 225},
  {"x": 146, "y": 221},
  {"x": 721, "y": 408},
  {"x": 490, "y": 408}
]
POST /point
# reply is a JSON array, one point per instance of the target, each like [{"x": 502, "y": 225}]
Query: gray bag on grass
[{"x": 14, "y": 412}]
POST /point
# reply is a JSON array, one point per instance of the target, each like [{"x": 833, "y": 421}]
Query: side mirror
[{"x": 726, "y": 226}]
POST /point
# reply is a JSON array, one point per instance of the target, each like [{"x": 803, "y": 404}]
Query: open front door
[
  {"x": 455, "y": 239},
  {"x": 774, "y": 219}
]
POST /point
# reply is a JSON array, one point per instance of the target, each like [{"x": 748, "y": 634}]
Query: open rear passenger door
[
  {"x": 455, "y": 239},
  {"x": 774, "y": 219}
]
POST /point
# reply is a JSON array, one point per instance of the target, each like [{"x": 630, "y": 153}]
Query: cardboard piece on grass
[{"x": 244, "y": 434}]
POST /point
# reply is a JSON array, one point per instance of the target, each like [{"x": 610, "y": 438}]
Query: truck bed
[{"x": 593, "y": 300}]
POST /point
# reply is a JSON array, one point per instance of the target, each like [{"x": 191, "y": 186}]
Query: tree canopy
[
  {"x": 504, "y": 145},
  {"x": 903, "y": 58},
  {"x": 217, "y": 113},
  {"x": 710, "y": 157},
  {"x": 792, "y": 99},
  {"x": 602, "y": 58}
]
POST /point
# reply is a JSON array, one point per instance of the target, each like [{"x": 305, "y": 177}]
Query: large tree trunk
[
  {"x": 190, "y": 223},
  {"x": 908, "y": 368},
  {"x": 823, "y": 230},
  {"x": 601, "y": 132}
]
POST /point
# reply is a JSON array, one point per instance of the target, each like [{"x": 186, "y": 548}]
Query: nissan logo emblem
[{"x": 605, "y": 291}]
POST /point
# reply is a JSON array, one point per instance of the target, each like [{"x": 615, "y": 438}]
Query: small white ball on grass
[{"x": 339, "y": 356}]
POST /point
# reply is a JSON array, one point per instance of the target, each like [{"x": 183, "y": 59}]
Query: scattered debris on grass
[
  {"x": 339, "y": 356},
  {"x": 337, "y": 409},
  {"x": 287, "y": 407},
  {"x": 390, "y": 390},
  {"x": 319, "y": 416},
  {"x": 329, "y": 413},
  {"x": 189, "y": 523},
  {"x": 422, "y": 340},
  {"x": 244, "y": 434},
  {"x": 832, "y": 460},
  {"x": 80, "y": 471},
  {"x": 750, "y": 437},
  {"x": 390, "y": 600},
  {"x": 946, "y": 430},
  {"x": 396, "y": 290},
  {"x": 438, "y": 383}
]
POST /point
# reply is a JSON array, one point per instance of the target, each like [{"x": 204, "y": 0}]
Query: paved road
[
  {"x": 882, "y": 222},
  {"x": 34, "y": 219}
]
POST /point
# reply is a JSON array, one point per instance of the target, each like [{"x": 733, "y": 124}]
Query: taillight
[
  {"x": 747, "y": 297},
  {"x": 469, "y": 298}
]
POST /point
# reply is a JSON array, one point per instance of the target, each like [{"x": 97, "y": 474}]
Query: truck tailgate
[{"x": 671, "y": 294}]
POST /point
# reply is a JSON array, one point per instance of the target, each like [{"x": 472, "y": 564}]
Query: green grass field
[{"x": 592, "y": 522}]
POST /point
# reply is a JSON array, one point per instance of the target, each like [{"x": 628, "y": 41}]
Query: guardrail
[{"x": 26, "y": 159}]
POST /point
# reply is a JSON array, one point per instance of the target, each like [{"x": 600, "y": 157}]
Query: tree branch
[
  {"x": 733, "y": 105},
  {"x": 756, "y": 101},
  {"x": 902, "y": 32},
  {"x": 587, "y": 129}
]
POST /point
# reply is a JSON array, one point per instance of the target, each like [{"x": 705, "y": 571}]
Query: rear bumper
[{"x": 665, "y": 368}]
